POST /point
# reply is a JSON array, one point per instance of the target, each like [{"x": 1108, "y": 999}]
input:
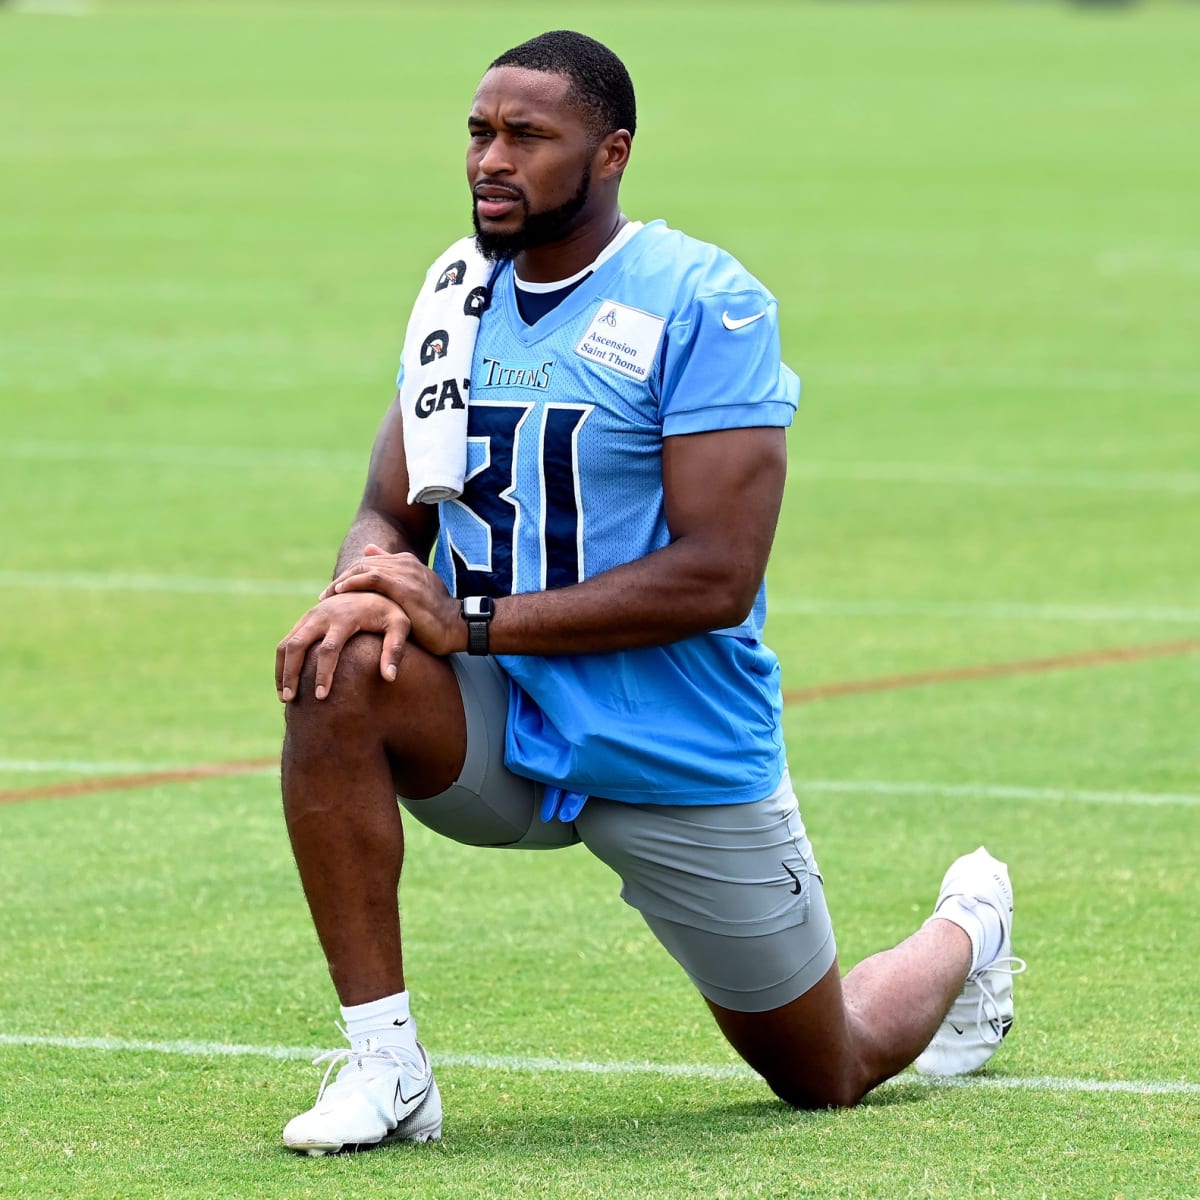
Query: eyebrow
[{"x": 516, "y": 123}]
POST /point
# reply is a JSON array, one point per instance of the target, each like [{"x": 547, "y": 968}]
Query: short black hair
[{"x": 600, "y": 84}]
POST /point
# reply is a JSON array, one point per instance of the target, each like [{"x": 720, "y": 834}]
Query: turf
[{"x": 980, "y": 221}]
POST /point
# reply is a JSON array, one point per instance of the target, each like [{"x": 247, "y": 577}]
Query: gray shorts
[{"x": 732, "y": 891}]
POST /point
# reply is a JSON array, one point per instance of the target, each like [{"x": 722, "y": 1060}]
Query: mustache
[{"x": 497, "y": 191}]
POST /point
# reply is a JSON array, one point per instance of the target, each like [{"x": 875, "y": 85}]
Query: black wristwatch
[{"x": 478, "y": 612}]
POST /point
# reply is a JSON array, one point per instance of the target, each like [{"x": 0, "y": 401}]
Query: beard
[{"x": 538, "y": 229}]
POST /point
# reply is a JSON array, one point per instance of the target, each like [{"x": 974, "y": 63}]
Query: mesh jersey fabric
[{"x": 566, "y": 424}]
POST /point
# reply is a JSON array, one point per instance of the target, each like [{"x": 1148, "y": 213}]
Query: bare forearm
[
  {"x": 371, "y": 527},
  {"x": 385, "y": 518},
  {"x": 723, "y": 492},
  {"x": 671, "y": 594}
]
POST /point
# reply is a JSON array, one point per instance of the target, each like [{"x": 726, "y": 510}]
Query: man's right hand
[{"x": 329, "y": 626}]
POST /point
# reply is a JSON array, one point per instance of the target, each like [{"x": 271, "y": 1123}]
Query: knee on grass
[{"x": 810, "y": 1095}]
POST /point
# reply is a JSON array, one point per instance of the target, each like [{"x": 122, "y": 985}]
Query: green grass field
[{"x": 982, "y": 221}]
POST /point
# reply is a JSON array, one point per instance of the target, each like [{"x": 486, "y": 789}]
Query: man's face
[{"x": 528, "y": 162}]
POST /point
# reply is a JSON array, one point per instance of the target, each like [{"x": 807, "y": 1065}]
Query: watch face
[{"x": 477, "y": 612}]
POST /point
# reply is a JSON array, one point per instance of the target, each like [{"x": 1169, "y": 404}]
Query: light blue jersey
[{"x": 564, "y": 480}]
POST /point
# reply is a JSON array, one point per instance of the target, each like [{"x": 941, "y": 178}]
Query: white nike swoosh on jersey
[{"x": 730, "y": 323}]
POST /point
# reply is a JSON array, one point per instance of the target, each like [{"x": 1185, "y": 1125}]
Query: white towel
[{"x": 436, "y": 371}]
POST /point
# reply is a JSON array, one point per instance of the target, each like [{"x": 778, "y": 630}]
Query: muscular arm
[
  {"x": 722, "y": 492},
  {"x": 385, "y": 518},
  {"x": 385, "y": 522}
]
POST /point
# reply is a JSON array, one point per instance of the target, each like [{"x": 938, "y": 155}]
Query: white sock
[
  {"x": 981, "y": 923},
  {"x": 387, "y": 1021}
]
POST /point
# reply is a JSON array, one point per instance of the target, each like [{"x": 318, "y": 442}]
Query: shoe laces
[
  {"x": 347, "y": 1056},
  {"x": 990, "y": 1026}
]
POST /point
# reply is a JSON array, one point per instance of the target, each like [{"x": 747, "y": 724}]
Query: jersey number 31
[{"x": 519, "y": 523}]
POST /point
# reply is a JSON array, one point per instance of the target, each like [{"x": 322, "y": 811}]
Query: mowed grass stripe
[
  {"x": 543, "y": 1065},
  {"x": 810, "y": 695},
  {"x": 800, "y": 467},
  {"x": 983, "y": 610},
  {"x": 1033, "y": 379},
  {"x": 113, "y": 776}
]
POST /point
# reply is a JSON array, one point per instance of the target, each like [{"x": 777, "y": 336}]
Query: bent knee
[
  {"x": 361, "y": 703},
  {"x": 810, "y": 1095},
  {"x": 354, "y": 693},
  {"x": 809, "y": 1098},
  {"x": 357, "y": 664}
]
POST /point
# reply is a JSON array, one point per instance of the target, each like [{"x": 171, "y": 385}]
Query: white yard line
[
  {"x": 120, "y": 581},
  {"x": 502, "y": 1062},
  {"x": 987, "y": 610},
  {"x": 54, "y": 8},
  {"x": 995, "y": 791},
  {"x": 981, "y": 610},
  {"x": 92, "y": 768},
  {"x": 98, "y": 767},
  {"x": 1170, "y": 482},
  {"x": 1006, "y": 378},
  {"x": 236, "y": 457}
]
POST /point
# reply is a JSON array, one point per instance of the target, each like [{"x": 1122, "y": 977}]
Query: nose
[{"x": 495, "y": 159}]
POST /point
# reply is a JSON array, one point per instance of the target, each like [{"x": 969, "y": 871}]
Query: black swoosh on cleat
[{"x": 401, "y": 1098}]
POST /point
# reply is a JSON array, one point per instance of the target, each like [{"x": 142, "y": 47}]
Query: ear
[{"x": 612, "y": 154}]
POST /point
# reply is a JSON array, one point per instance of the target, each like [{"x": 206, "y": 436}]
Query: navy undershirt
[{"x": 533, "y": 306}]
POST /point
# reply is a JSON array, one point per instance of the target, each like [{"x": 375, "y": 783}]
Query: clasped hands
[{"x": 395, "y": 595}]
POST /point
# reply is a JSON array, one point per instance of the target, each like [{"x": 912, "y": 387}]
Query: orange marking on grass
[
  {"x": 1029, "y": 666},
  {"x": 121, "y": 783},
  {"x": 809, "y": 695}
]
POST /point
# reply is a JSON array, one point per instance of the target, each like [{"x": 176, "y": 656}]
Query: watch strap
[{"x": 477, "y": 611}]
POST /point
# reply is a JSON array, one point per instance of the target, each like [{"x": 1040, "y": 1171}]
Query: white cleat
[
  {"x": 381, "y": 1094},
  {"x": 979, "y": 1020}
]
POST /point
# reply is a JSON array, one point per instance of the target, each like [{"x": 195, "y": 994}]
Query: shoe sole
[
  {"x": 399, "y": 1134},
  {"x": 316, "y": 1151}
]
